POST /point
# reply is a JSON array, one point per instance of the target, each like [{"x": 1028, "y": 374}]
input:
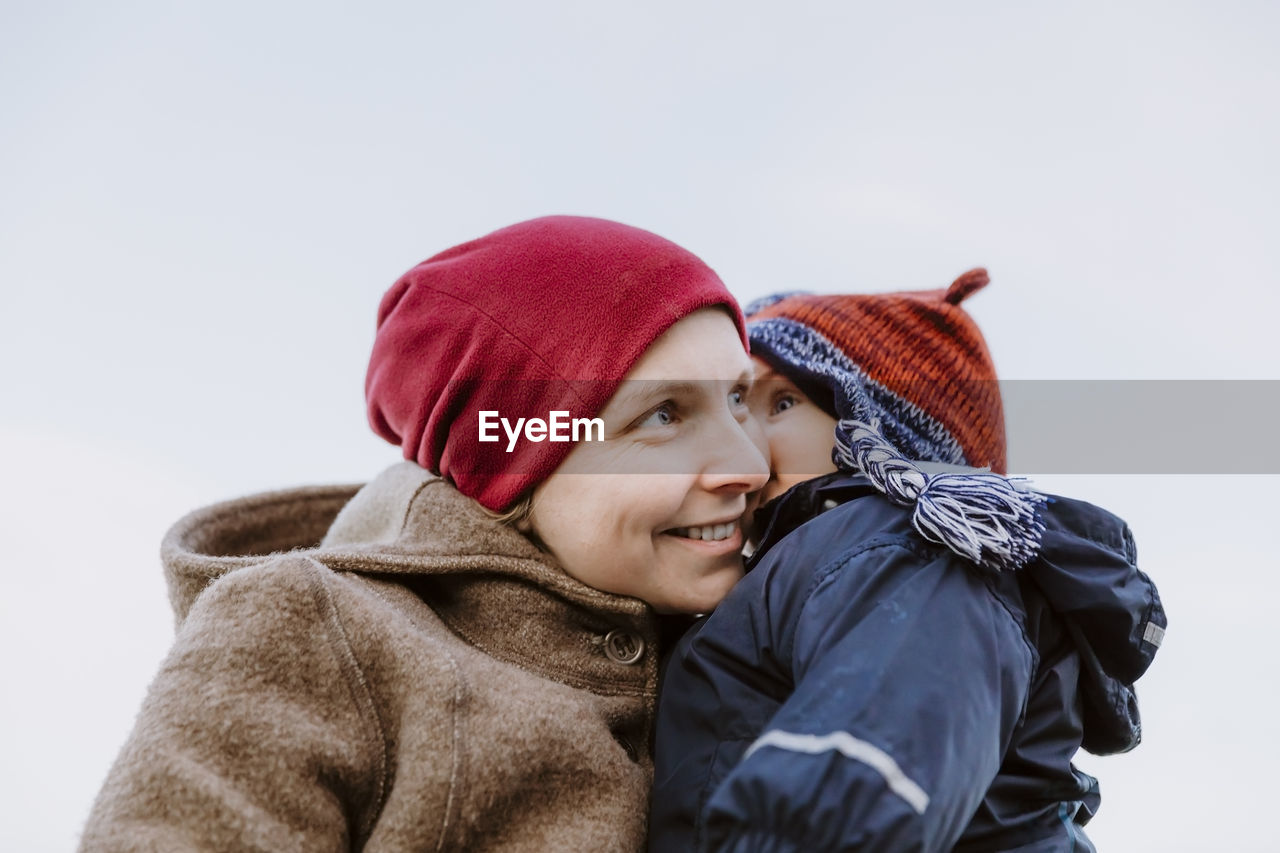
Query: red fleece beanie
[{"x": 514, "y": 322}]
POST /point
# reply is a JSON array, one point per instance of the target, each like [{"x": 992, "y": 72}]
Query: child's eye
[
  {"x": 783, "y": 401},
  {"x": 738, "y": 396},
  {"x": 663, "y": 415}
]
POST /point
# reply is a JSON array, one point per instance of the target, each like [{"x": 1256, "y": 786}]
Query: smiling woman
[
  {"x": 672, "y": 539},
  {"x": 393, "y": 667}
]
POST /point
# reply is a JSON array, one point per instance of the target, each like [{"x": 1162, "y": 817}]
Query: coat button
[
  {"x": 621, "y": 647},
  {"x": 628, "y": 747}
]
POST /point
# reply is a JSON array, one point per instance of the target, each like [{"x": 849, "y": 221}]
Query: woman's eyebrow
[{"x": 640, "y": 393}]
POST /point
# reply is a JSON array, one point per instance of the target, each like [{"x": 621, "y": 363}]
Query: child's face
[
  {"x": 680, "y": 452},
  {"x": 800, "y": 434}
]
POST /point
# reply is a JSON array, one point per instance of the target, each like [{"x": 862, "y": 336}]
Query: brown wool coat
[{"x": 424, "y": 678}]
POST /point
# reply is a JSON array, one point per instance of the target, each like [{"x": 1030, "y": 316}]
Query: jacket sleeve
[
  {"x": 909, "y": 673},
  {"x": 258, "y": 732}
]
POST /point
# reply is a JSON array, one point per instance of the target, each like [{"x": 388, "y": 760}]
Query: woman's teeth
[{"x": 712, "y": 533}]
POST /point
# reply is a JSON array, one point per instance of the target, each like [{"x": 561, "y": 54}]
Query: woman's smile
[
  {"x": 711, "y": 540},
  {"x": 706, "y": 532}
]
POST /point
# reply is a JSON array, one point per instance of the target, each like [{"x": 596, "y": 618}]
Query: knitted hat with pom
[
  {"x": 542, "y": 316},
  {"x": 920, "y": 359},
  {"x": 908, "y": 378}
]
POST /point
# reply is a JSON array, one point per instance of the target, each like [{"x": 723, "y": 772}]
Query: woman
[{"x": 463, "y": 653}]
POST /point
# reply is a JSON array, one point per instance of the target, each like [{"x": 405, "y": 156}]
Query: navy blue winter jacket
[{"x": 864, "y": 689}]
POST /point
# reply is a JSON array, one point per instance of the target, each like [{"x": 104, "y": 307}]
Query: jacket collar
[
  {"x": 489, "y": 583},
  {"x": 802, "y": 502}
]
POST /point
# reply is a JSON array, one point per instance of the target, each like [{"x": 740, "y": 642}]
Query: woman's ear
[{"x": 519, "y": 516}]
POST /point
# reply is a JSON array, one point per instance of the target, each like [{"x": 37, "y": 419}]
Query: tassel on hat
[{"x": 990, "y": 519}]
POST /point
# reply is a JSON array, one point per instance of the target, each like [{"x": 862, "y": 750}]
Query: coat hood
[
  {"x": 1087, "y": 573},
  {"x": 406, "y": 522}
]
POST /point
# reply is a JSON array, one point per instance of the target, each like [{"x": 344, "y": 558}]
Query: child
[{"x": 917, "y": 651}]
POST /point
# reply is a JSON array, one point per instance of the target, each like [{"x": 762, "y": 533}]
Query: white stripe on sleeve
[{"x": 851, "y": 747}]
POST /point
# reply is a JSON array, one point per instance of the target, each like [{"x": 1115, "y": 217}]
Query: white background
[{"x": 201, "y": 204}]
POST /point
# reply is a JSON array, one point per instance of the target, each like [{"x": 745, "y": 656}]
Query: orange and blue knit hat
[{"x": 909, "y": 379}]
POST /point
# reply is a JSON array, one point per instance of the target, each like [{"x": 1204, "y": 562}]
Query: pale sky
[{"x": 203, "y": 202}]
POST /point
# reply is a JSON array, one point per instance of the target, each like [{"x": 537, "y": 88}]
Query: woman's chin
[{"x": 704, "y": 596}]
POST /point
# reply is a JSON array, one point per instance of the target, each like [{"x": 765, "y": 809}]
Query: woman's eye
[
  {"x": 664, "y": 415},
  {"x": 782, "y": 402}
]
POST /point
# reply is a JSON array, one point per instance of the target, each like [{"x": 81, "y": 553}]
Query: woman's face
[
  {"x": 654, "y": 511},
  {"x": 800, "y": 434}
]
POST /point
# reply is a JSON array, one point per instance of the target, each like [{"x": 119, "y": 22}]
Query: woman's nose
[{"x": 741, "y": 461}]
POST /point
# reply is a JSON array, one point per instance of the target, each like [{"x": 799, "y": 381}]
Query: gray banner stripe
[{"x": 1142, "y": 426}]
